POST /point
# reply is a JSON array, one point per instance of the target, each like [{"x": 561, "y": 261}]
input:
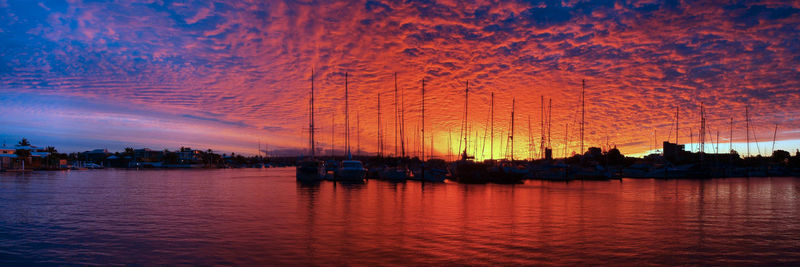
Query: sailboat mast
[
  {"x": 566, "y": 140},
  {"x": 402, "y": 120},
  {"x": 466, "y": 121},
  {"x": 422, "y": 140},
  {"x": 449, "y": 145},
  {"x": 747, "y": 127},
  {"x": 511, "y": 137},
  {"x": 730, "y": 141},
  {"x": 423, "y": 122},
  {"x": 491, "y": 139},
  {"x": 396, "y": 116},
  {"x": 702, "y": 135},
  {"x": 530, "y": 139},
  {"x": 310, "y": 120},
  {"x": 550, "y": 124},
  {"x": 358, "y": 133},
  {"x": 541, "y": 132},
  {"x": 346, "y": 118},
  {"x": 583, "y": 110},
  {"x": 677, "y": 109},
  {"x": 380, "y": 133},
  {"x": 774, "y": 136}
]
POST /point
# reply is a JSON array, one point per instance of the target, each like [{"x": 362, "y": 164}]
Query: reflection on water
[{"x": 255, "y": 216}]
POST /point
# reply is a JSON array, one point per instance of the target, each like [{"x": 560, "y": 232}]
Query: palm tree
[
  {"x": 51, "y": 156},
  {"x": 23, "y": 154},
  {"x": 24, "y": 142}
]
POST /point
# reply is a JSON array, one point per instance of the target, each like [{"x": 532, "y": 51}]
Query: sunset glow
[{"x": 229, "y": 75}]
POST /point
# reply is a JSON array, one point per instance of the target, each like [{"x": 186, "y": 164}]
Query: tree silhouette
[
  {"x": 23, "y": 153},
  {"x": 51, "y": 156},
  {"x": 24, "y": 142}
]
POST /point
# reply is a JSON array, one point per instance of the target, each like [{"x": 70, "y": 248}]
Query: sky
[{"x": 234, "y": 76}]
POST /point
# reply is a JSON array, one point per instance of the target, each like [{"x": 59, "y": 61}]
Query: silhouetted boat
[
  {"x": 311, "y": 169},
  {"x": 466, "y": 170},
  {"x": 435, "y": 170},
  {"x": 550, "y": 171},
  {"x": 397, "y": 173},
  {"x": 350, "y": 171},
  {"x": 506, "y": 173}
]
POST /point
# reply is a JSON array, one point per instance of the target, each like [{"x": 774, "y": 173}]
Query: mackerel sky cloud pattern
[{"x": 226, "y": 74}]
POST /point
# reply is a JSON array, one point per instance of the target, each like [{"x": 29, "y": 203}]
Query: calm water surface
[{"x": 262, "y": 216}]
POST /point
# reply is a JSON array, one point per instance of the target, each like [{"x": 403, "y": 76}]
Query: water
[{"x": 263, "y": 217}]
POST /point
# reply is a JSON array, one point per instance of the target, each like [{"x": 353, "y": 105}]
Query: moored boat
[
  {"x": 350, "y": 171},
  {"x": 310, "y": 170}
]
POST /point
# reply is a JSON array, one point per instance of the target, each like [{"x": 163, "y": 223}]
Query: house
[
  {"x": 188, "y": 156},
  {"x": 10, "y": 160},
  {"x": 7, "y": 157},
  {"x": 96, "y": 156},
  {"x": 148, "y": 155}
]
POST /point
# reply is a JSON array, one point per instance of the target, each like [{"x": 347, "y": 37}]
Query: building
[
  {"x": 674, "y": 152},
  {"x": 7, "y": 157},
  {"x": 187, "y": 156},
  {"x": 96, "y": 156},
  {"x": 148, "y": 155},
  {"x": 10, "y": 160}
]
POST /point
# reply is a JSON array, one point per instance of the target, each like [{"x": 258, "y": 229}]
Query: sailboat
[
  {"x": 430, "y": 170},
  {"x": 400, "y": 171},
  {"x": 310, "y": 169},
  {"x": 507, "y": 171},
  {"x": 349, "y": 170},
  {"x": 466, "y": 170}
]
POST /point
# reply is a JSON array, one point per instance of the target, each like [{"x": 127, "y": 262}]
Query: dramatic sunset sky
[{"x": 227, "y": 75}]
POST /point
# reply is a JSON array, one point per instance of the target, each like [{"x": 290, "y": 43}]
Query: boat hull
[
  {"x": 310, "y": 171},
  {"x": 350, "y": 175},
  {"x": 468, "y": 172}
]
